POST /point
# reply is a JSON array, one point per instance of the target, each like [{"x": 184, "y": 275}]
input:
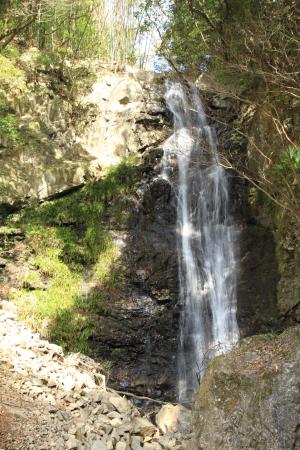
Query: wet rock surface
[
  {"x": 258, "y": 276},
  {"x": 54, "y": 401},
  {"x": 138, "y": 332}
]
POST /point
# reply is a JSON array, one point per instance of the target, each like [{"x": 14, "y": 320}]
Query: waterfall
[{"x": 206, "y": 250}]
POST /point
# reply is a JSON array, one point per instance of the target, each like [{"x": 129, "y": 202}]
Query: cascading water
[{"x": 208, "y": 323}]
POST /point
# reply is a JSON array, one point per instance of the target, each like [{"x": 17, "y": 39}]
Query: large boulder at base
[{"x": 250, "y": 398}]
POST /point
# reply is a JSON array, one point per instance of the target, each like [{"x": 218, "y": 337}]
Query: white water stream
[{"x": 207, "y": 272}]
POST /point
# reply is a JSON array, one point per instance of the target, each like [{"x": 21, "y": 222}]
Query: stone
[
  {"x": 47, "y": 115},
  {"x": 121, "y": 404},
  {"x": 54, "y": 350},
  {"x": 9, "y": 306},
  {"x": 51, "y": 383},
  {"x": 73, "y": 406},
  {"x": 116, "y": 422},
  {"x": 68, "y": 383},
  {"x": 110, "y": 444},
  {"x": 152, "y": 446},
  {"x": 96, "y": 397},
  {"x": 99, "y": 445},
  {"x": 174, "y": 418},
  {"x": 125, "y": 428},
  {"x": 143, "y": 426},
  {"x": 114, "y": 414},
  {"x": 36, "y": 390},
  {"x": 72, "y": 443},
  {"x": 8, "y": 315},
  {"x": 187, "y": 445},
  {"x": 249, "y": 398},
  {"x": 121, "y": 446},
  {"x": 220, "y": 102},
  {"x": 167, "y": 441},
  {"x": 136, "y": 442}
]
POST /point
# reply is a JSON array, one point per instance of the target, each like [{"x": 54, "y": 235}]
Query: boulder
[
  {"x": 174, "y": 418},
  {"x": 121, "y": 404},
  {"x": 99, "y": 445},
  {"x": 143, "y": 426},
  {"x": 121, "y": 446},
  {"x": 250, "y": 398}
]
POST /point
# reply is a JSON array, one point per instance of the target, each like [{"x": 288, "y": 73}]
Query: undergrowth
[
  {"x": 10, "y": 72},
  {"x": 288, "y": 167},
  {"x": 69, "y": 239}
]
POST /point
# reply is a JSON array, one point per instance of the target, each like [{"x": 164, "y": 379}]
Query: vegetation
[
  {"x": 8, "y": 126},
  {"x": 82, "y": 29},
  {"x": 9, "y": 71},
  {"x": 75, "y": 267},
  {"x": 9, "y": 121},
  {"x": 251, "y": 48}
]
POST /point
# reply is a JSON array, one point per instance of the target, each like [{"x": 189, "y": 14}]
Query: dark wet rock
[
  {"x": 154, "y": 240},
  {"x": 257, "y": 280},
  {"x": 257, "y": 266},
  {"x": 138, "y": 332},
  {"x": 138, "y": 335}
]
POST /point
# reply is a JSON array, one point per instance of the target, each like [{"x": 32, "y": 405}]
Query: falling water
[{"x": 206, "y": 233}]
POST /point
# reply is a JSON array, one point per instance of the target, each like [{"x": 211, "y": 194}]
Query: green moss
[
  {"x": 9, "y": 71},
  {"x": 288, "y": 165},
  {"x": 244, "y": 381},
  {"x": 214, "y": 361},
  {"x": 236, "y": 137},
  {"x": 257, "y": 396},
  {"x": 68, "y": 238},
  {"x": 9, "y": 126},
  {"x": 271, "y": 335},
  {"x": 32, "y": 279},
  {"x": 234, "y": 82},
  {"x": 11, "y": 52}
]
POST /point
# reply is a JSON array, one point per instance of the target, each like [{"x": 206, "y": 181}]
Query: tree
[
  {"x": 254, "y": 48},
  {"x": 88, "y": 28}
]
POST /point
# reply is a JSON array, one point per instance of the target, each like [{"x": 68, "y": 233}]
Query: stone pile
[{"x": 73, "y": 407}]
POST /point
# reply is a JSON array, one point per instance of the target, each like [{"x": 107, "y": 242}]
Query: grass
[
  {"x": 68, "y": 238},
  {"x": 9, "y": 126},
  {"x": 11, "y": 52},
  {"x": 289, "y": 162},
  {"x": 9, "y": 71}
]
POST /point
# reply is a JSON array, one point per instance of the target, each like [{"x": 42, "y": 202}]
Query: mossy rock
[
  {"x": 250, "y": 397},
  {"x": 9, "y": 72}
]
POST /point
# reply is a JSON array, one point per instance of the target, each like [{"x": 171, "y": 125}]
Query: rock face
[
  {"x": 257, "y": 280},
  {"x": 62, "y": 142},
  {"x": 257, "y": 265},
  {"x": 250, "y": 398},
  {"x": 138, "y": 332}
]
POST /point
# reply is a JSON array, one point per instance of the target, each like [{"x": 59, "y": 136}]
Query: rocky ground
[{"x": 49, "y": 400}]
